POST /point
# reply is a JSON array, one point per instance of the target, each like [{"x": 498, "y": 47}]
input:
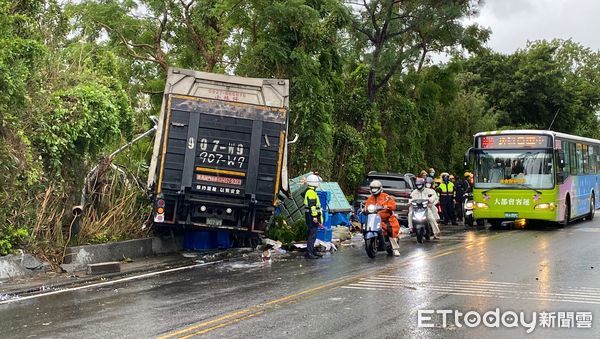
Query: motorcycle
[
  {"x": 468, "y": 209},
  {"x": 373, "y": 235},
  {"x": 422, "y": 227}
]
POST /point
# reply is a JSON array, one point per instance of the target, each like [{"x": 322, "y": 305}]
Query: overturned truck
[{"x": 220, "y": 152}]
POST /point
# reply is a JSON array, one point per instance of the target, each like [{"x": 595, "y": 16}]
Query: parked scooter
[
  {"x": 419, "y": 219},
  {"x": 373, "y": 234}
]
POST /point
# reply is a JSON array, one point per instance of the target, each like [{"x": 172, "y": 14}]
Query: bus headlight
[
  {"x": 481, "y": 205},
  {"x": 545, "y": 206}
]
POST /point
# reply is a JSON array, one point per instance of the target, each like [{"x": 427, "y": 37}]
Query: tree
[
  {"x": 399, "y": 34},
  {"x": 546, "y": 81}
]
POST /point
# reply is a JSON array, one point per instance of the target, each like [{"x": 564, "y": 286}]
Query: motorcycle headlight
[
  {"x": 469, "y": 205},
  {"x": 371, "y": 209},
  {"x": 424, "y": 203}
]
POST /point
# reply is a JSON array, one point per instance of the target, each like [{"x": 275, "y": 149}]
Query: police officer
[
  {"x": 447, "y": 199},
  {"x": 313, "y": 215}
]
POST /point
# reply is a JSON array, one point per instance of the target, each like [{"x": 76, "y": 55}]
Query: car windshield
[{"x": 514, "y": 169}]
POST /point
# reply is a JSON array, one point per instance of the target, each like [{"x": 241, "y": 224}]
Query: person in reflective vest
[
  {"x": 447, "y": 199},
  {"x": 389, "y": 222},
  {"x": 313, "y": 215}
]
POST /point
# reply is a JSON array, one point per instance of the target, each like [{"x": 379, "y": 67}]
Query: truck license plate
[
  {"x": 511, "y": 215},
  {"x": 214, "y": 222}
]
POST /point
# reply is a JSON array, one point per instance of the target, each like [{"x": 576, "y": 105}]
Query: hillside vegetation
[{"x": 78, "y": 79}]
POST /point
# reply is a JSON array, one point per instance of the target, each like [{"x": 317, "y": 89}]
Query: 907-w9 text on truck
[{"x": 220, "y": 152}]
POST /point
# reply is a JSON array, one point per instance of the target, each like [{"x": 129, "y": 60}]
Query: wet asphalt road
[{"x": 346, "y": 294}]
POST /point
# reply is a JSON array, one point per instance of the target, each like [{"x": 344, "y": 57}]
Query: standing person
[
  {"x": 460, "y": 188},
  {"x": 431, "y": 173},
  {"x": 424, "y": 192},
  {"x": 435, "y": 205},
  {"x": 313, "y": 215},
  {"x": 447, "y": 198},
  {"x": 389, "y": 222}
]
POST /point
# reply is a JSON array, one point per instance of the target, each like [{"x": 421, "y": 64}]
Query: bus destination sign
[{"x": 514, "y": 141}]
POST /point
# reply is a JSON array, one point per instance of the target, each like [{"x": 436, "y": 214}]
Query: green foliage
[
  {"x": 280, "y": 230},
  {"x": 84, "y": 120},
  {"x": 535, "y": 84},
  {"x": 11, "y": 237}
]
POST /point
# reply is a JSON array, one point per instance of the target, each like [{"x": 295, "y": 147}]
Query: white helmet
[
  {"x": 376, "y": 187},
  {"x": 313, "y": 180}
]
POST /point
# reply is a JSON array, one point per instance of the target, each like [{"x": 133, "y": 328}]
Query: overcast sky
[{"x": 514, "y": 22}]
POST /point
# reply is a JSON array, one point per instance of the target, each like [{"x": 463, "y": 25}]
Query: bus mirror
[
  {"x": 561, "y": 159},
  {"x": 467, "y": 157}
]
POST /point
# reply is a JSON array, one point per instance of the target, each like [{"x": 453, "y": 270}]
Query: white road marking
[
  {"x": 590, "y": 230},
  {"x": 106, "y": 283},
  {"x": 492, "y": 289}
]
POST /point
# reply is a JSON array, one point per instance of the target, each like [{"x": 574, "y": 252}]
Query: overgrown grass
[{"x": 118, "y": 213}]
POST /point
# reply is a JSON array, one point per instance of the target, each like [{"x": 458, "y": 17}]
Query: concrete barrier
[
  {"x": 77, "y": 258},
  {"x": 18, "y": 265}
]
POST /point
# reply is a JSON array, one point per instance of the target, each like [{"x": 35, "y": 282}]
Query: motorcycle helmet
[
  {"x": 375, "y": 187},
  {"x": 313, "y": 181},
  {"x": 420, "y": 183},
  {"x": 429, "y": 182}
]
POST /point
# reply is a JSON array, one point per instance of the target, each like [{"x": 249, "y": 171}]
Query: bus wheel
[
  {"x": 592, "y": 208},
  {"x": 567, "y": 215}
]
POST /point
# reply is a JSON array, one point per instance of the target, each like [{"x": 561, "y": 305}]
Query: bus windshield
[{"x": 514, "y": 169}]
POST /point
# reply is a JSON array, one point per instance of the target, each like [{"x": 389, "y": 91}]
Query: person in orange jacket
[{"x": 389, "y": 222}]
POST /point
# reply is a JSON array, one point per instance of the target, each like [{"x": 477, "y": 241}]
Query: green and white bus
[{"x": 534, "y": 175}]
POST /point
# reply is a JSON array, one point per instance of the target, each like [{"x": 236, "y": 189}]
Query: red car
[{"x": 398, "y": 185}]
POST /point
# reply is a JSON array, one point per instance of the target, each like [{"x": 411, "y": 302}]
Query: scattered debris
[
  {"x": 126, "y": 259},
  {"x": 266, "y": 253},
  {"x": 325, "y": 244},
  {"x": 4, "y": 297},
  {"x": 189, "y": 255},
  {"x": 104, "y": 267},
  {"x": 273, "y": 243},
  {"x": 341, "y": 232}
]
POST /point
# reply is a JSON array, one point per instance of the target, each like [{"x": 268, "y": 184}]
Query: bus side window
[
  {"x": 594, "y": 158},
  {"x": 584, "y": 159},
  {"x": 573, "y": 156}
]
